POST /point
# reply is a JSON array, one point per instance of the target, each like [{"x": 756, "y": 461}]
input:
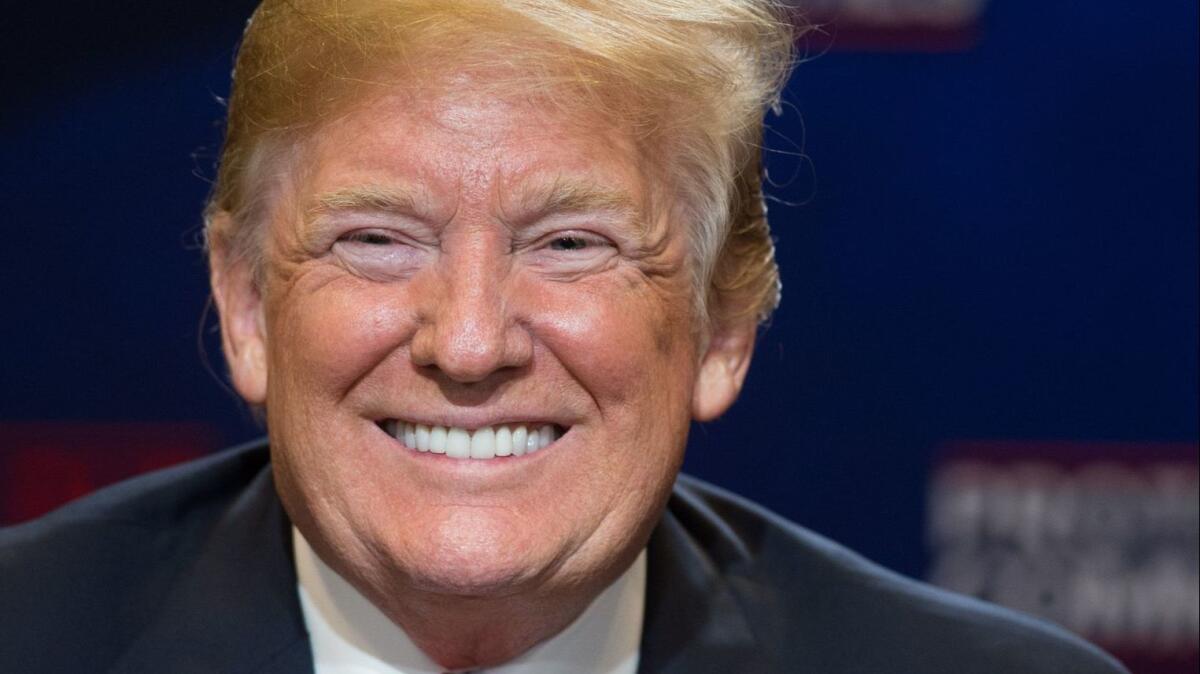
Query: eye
[
  {"x": 569, "y": 243},
  {"x": 379, "y": 254},
  {"x": 576, "y": 242},
  {"x": 571, "y": 252},
  {"x": 370, "y": 238}
]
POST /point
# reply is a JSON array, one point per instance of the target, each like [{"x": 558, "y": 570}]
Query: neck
[{"x": 462, "y": 633}]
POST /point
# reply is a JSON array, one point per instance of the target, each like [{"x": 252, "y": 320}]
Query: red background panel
[{"x": 46, "y": 464}]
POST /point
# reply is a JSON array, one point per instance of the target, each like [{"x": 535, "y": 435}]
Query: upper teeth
[{"x": 460, "y": 443}]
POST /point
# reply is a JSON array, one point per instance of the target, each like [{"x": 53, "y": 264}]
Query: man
[{"x": 479, "y": 264}]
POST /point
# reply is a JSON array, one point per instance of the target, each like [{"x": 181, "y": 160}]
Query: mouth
[{"x": 488, "y": 442}]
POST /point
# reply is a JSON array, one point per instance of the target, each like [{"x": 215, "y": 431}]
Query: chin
[
  {"x": 473, "y": 558},
  {"x": 487, "y": 583}
]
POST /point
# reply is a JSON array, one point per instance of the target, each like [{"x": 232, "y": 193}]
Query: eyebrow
[
  {"x": 571, "y": 196},
  {"x": 386, "y": 199}
]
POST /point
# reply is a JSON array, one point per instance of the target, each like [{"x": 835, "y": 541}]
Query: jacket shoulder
[
  {"x": 812, "y": 600},
  {"x": 91, "y": 573}
]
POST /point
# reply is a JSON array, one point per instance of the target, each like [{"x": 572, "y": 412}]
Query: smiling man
[
  {"x": 480, "y": 264},
  {"x": 474, "y": 339}
]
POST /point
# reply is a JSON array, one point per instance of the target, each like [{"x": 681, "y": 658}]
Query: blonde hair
[{"x": 692, "y": 76}]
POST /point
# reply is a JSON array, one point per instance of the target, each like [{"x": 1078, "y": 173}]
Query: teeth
[
  {"x": 437, "y": 440},
  {"x": 458, "y": 443},
  {"x": 484, "y": 443},
  {"x": 503, "y": 441},
  {"x": 518, "y": 440}
]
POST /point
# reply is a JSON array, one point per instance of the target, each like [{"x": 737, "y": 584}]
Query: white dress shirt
[{"x": 349, "y": 635}]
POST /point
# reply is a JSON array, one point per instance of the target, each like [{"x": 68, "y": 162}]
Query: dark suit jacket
[{"x": 190, "y": 570}]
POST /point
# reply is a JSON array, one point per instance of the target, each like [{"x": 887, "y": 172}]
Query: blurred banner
[
  {"x": 891, "y": 25},
  {"x": 44, "y": 465},
  {"x": 1100, "y": 538}
]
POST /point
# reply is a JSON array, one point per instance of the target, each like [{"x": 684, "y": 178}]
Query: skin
[{"x": 475, "y": 295}]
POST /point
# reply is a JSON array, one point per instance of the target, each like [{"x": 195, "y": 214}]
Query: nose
[{"x": 470, "y": 330}]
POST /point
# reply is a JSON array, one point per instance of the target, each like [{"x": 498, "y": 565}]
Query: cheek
[
  {"x": 329, "y": 338},
  {"x": 625, "y": 344},
  {"x": 629, "y": 349}
]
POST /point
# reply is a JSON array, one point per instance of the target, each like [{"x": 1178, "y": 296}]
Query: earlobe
[
  {"x": 239, "y": 307},
  {"x": 723, "y": 370}
]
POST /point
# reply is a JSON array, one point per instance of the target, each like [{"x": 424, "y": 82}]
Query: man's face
[{"x": 486, "y": 267}]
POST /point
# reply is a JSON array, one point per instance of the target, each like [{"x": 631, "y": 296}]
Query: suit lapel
[
  {"x": 236, "y": 608},
  {"x": 693, "y": 621}
]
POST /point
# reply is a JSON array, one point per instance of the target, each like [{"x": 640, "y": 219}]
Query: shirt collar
[{"x": 349, "y": 635}]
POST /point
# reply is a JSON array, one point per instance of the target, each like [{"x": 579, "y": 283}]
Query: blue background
[{"x": 994, "y": 243}]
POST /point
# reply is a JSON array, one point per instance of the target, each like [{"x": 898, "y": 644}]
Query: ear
[
  {"x": 240, "y": 309},
  {"x": 723, "y": 369}
]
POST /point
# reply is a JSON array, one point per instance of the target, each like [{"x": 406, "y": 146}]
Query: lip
[
  {"x": 505, "y": 473},
  {"x": 473, "y": 422},
  {"x": 471, "y": 428}
]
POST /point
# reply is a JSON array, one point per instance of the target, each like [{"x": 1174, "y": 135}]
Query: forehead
[{"x": 456, "y": 140}]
